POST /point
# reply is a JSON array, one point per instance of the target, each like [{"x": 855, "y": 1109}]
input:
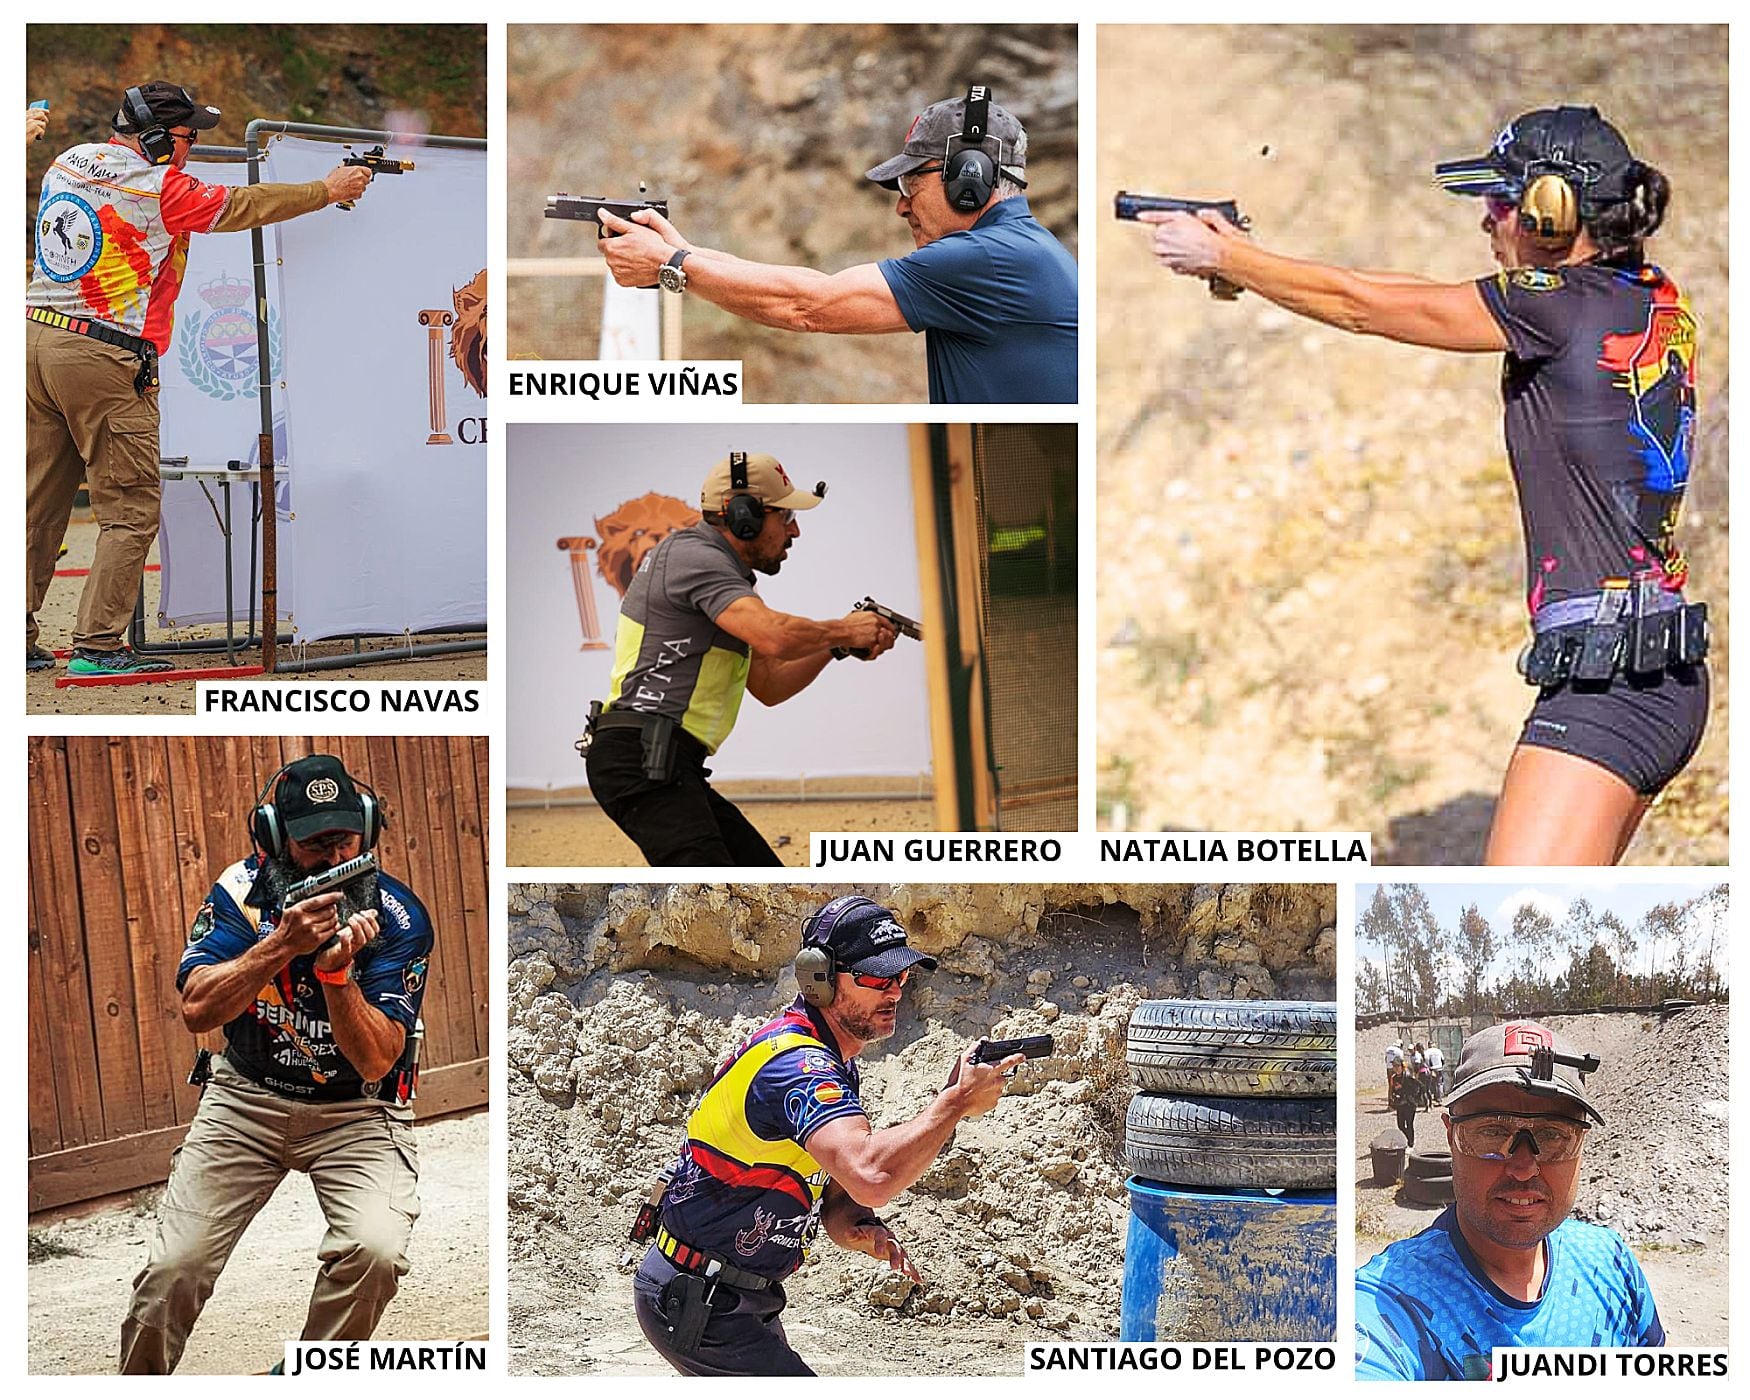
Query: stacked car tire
[{"x": 1234, "y": 1094}]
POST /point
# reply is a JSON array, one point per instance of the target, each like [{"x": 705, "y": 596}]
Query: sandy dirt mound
[
  {"x": 82, "y": 1270},
  {"x": 625, "y": 998},
  {"x": 1310, "y": 564},
  {"x": 62, "y": 605}
]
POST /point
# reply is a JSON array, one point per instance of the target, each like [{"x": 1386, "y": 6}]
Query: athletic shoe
[
  {"x": 124, "y": 661},
  {"x": 39, "y": 659}
]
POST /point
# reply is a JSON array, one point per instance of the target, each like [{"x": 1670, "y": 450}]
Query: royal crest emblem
[{"x": 217, "y": 351}]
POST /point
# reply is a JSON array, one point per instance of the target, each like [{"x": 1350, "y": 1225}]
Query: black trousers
[
  {"x": 743, "y": 1338},
  {"x": 684, "y": 821}
]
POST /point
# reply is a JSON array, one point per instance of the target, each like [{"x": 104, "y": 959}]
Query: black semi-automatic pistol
[
  {"x": 898, "y": 621},
  {"x": 1127, "y": 206},
  {"x": 590, "y": 206},
  {"x": 991, "y": 1052},
  {"x": 378, "y": 162}
]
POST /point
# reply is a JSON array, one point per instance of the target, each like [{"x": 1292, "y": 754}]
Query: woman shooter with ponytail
[{"x": 1599, "y": 390}]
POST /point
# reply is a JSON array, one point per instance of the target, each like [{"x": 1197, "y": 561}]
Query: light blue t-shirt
[
  {"x": 997, "y": 305},
  {"x": 1426, "y": 1311}
]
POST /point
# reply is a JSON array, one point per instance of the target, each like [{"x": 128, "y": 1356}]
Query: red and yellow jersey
[{"x": 112, "y": 238}]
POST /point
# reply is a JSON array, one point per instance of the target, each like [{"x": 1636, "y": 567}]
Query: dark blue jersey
[
  {"x": 998, "y": 307},
  {"x": 284, "y": 1040},
  {"x": 1426, "y": 1311},
  {"x": 746, "y": 1189}
]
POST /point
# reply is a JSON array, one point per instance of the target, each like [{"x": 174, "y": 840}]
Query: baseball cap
[
  {"x": 766, "y": 480},
  {"x": 314, "y": 795},
  {"x": 864, "y": 937},
  {"x": 1503, "y": 1054},
  {"x": 937, "y": 125},
  {"x": 1574, "y": 142},
  {"x": 170, "y": 105}
]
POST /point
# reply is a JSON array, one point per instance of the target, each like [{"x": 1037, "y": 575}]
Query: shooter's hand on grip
[
  {"x": 355, "y": 934},
  {"x": 307, "y": 925},
  {"x": 979, "y": 1086},
  {"x": 346, "y": 183}
]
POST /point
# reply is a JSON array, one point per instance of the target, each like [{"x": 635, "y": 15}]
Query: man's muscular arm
[
  {"x": 856, "y": 301},
  {"x": 221, "y": 992},
  {"x": 370, "y": 1040},
  {"x": 873, "y": 1166},
  {"x": 779, "y": 636}
]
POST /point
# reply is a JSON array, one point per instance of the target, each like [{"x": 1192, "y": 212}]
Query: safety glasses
[
  {"x": 1500, "y": 208},
  {"x": 1495, "y": 1137},
  {"x": 881, "y": 984},
  {"x": 784, "y": 516},
  {"x": 908, "y": 185}
]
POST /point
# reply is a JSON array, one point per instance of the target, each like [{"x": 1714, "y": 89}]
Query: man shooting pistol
[
  {"x": 591, "y": 207},
  {"x": 1135, "y": 208},
  {"x": 898, "y": 621},
  {"x": 377, "y": 162}
]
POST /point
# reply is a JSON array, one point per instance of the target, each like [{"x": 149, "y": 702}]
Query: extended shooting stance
[
  {"x": 1504, "y": 1266},
  {"x": 1598, "y": 381},
  {"x": 692, "y": 636},
  {"x": 112, "y": 234},
  {"x": 319, "y": 993},
  {"x": 780, "y": 1146},
  {"x": 991, "y": 289}
]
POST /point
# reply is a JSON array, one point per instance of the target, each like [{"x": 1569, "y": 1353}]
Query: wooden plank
[
  {"x": 139, "y": 772},
  {"x": 196, "y": 866},
  {"x": 44, "y": 1119},
  {"x": 66, "y": 994},
  {"x": 434, "y": 787},
  {"x": 110, "y": 968},
  {"x": 473, "y": 806},
  {"x": 143, "y": 1159}
]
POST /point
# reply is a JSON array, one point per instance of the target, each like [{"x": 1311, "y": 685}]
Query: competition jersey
[
  {"x": 1599, "y": 384},
  {"x": 284, "y": 1040},
  {"x": 1425, "y": 1310},
  {"x": 112, "y": 238},
  {"x": 998, "y": 307},
  {"x": 745, "y": 1189},
  {"x": 670, "y": 657}
]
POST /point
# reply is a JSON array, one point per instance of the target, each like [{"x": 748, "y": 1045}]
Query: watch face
[{"x": 673, "y": 279}]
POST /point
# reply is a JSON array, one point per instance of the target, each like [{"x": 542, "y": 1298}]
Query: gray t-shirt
[{"x": 670, "y": 657}]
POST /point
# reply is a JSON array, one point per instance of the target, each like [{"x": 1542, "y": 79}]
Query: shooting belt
[
  {"x": 696, "y": 1261},
  {"x": 1632, "y": 629},
  {"x": 146, "y": 379}
]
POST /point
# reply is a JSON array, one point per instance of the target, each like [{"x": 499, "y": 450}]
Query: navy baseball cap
[
  {"x": 1573, "y": 142},
  {"x": 315, "y": 795},
  {"x": 863, "y": 937}
]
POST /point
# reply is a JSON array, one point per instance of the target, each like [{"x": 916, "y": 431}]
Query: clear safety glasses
[{"x": 1552, "y": 1137}]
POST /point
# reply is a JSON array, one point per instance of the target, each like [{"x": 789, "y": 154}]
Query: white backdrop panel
[
  {"x": 390, "y": 526},
  {"x": 857, "y": 718},
  {"x": 209, "y": 412}
]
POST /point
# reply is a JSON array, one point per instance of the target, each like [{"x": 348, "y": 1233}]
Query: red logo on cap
[
  {"x": 783, "y": 476},
  {"x": 1523, "y": 1037}
]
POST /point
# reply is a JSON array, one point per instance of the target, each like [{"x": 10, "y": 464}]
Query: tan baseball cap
[{"x": 766, "y": 481}]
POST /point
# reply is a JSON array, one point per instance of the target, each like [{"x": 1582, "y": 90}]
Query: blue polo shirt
[
  {"x": 997, "y": 305},
  {"x": 1426, "y": 1311}
]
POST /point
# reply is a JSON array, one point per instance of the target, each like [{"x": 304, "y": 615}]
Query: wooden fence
[{"x": 127, "y": 835}]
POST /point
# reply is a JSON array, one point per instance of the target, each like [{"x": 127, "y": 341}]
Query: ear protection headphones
[
  {"x": 968, "y": 173},
  {"x": 817, "y": 967},
  {"x": 156, "y": 143},
  {"x": 745, "y": 511},
  {"x": 1549, "y": 208},
  {"x": 268, "y": 830}
]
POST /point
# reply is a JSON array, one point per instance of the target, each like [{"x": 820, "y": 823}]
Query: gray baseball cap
[
  {"x": 1508, "y": 1054},
  {"x": 940, "y": 123}
]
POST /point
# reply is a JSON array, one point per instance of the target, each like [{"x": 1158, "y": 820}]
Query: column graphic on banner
[
  {"x": 434, "y": 321},
  {"x": 578, "y": 547}
]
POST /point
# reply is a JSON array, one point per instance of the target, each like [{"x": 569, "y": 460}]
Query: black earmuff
[
  {"x": 1549, "y": 207},
  {"x": 969, "y": 174},
  {"x": 745, "y": 512},
  {"x": 156, "y": 143},
  {"x": 816, "y": 966}
]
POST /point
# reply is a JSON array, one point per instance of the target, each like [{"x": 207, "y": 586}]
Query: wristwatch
[{"x": 672, "y": 277}]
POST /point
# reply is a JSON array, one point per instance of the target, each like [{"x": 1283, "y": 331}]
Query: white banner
[
  {"x": 631, "y": 322},
  {"x": 384, "y": 312},
  {"x": 584, "y": 502},
  {"x": 210, "y": 412}
]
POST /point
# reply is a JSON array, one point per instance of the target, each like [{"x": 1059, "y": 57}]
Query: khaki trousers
[
  {"x": 360, "y": 1157},
  {"x": 84, "y": 419}
]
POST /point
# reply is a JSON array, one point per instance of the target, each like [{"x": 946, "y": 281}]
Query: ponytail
[{"x": 1620, "y": 229}]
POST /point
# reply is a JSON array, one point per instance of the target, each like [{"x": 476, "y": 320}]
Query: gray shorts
[{"x": 743, "y": 1338}]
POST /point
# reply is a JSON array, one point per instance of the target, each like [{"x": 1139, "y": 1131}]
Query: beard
[{"x": 870, "y": 1026}]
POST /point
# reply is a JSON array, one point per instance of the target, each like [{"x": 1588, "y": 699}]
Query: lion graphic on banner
[
  {"x": 468, "y": 337},
  {"x": 627, "y": 534}
]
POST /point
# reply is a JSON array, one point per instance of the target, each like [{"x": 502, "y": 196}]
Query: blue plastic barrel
[{"x": 1219, "y": 1266}]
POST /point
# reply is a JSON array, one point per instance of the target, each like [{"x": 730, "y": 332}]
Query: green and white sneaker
[{"x": 124, "y": 661}]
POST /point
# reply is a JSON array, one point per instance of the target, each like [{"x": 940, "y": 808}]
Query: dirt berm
[{"x": 623, "y": 998}]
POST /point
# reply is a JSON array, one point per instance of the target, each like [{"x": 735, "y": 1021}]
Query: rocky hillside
[
  {"x": 758, "y": 136},
  {"x": 1309, "y": 552}
]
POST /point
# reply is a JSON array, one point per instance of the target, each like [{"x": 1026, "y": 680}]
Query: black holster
[{"x": 685, "y": 1304}]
